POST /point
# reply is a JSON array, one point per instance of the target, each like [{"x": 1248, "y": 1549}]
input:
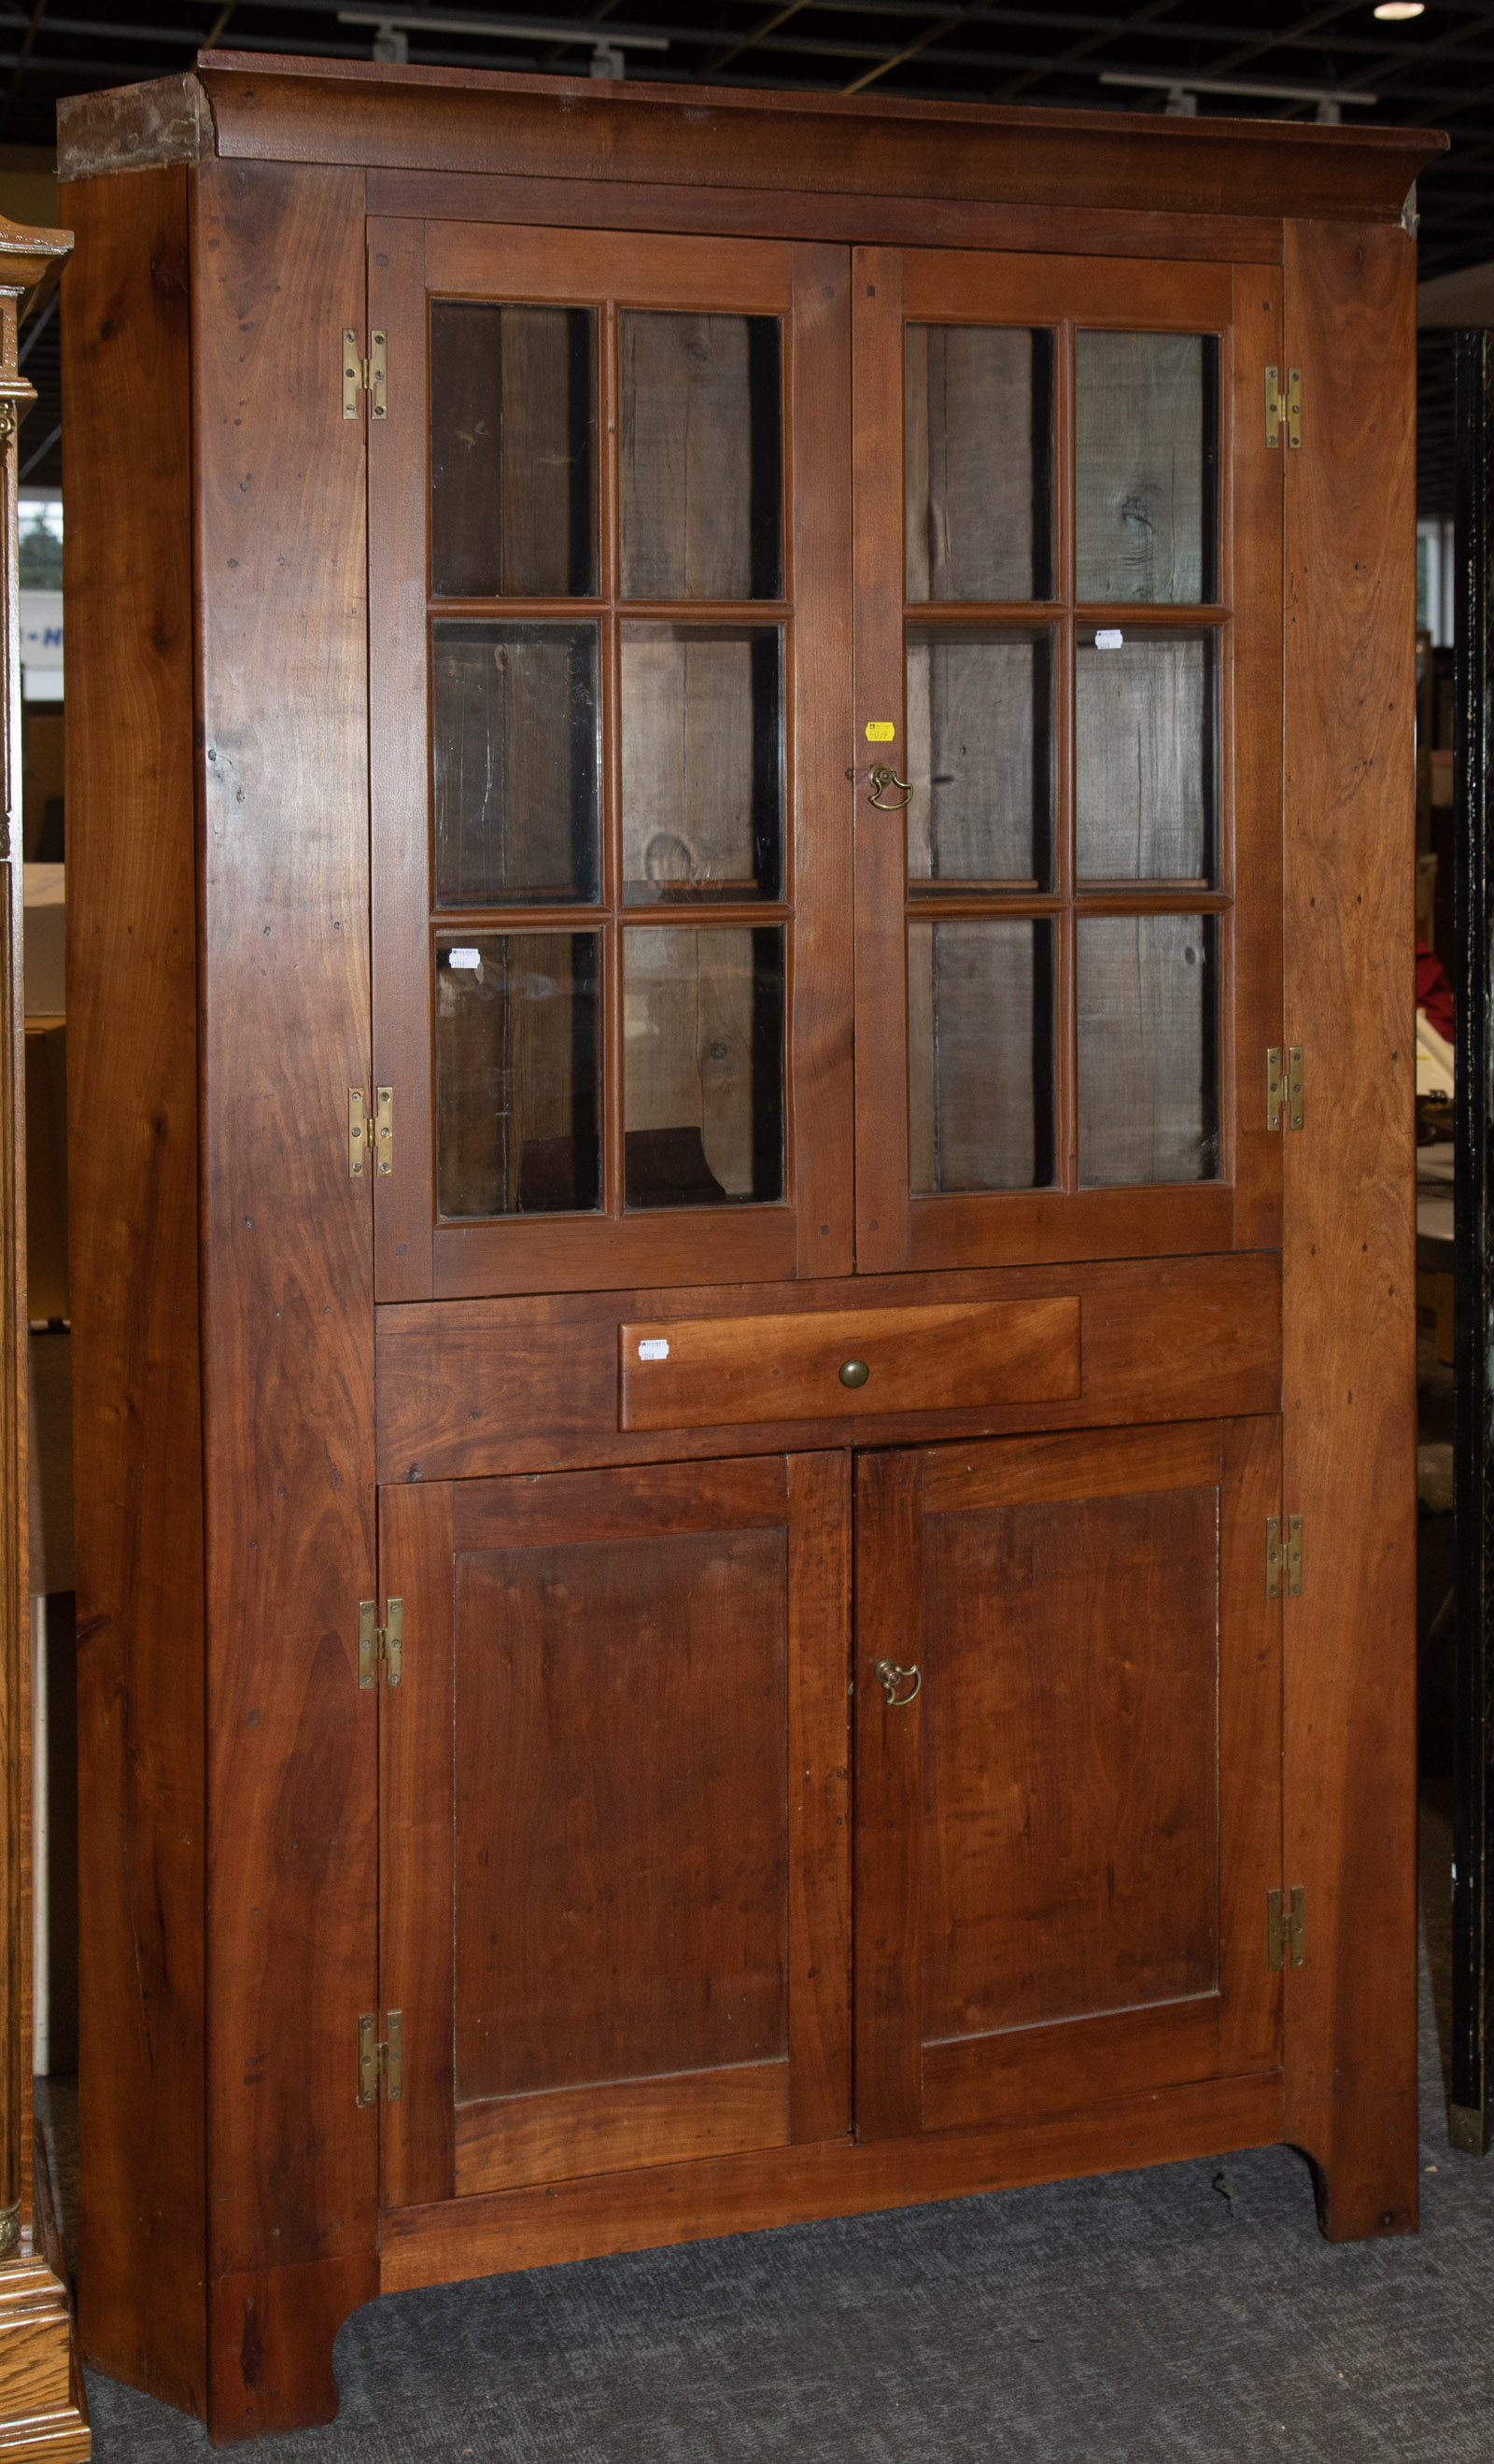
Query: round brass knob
[{"x": 854, "y": 1373}]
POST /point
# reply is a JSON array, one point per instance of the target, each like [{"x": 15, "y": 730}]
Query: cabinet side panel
[
  {"x": 132, "y": 1181},
  {"x": 1349, "y": 1384},
  {"x": 287, "y": 1252}
]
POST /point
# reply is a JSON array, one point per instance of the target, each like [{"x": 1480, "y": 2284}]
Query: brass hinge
[
  {"x": 1284, "y": 1929},
  {"x": 380, "y": 1647},
  {"x": 1284, "y": 1086},
  {"x": 360, "y": 1135},
  {"x": 386, "y": 2057},
  {"x": 1282, "y": 407},
  {"x": 370, "y": 376},
  {"x": 1284, "y": 1559}
]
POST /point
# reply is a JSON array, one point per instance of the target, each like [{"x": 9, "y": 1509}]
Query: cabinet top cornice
[{"x": 262, "y": 107}]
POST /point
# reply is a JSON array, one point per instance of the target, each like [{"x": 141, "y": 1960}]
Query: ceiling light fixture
[
  {"x": 393, "y": 31},
  {"x": 1395, "y": 10},
  {"x": 1183, "y": 93}
]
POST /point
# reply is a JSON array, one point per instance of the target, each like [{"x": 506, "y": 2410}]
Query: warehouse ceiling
[{"x": 1266, "y": 57}]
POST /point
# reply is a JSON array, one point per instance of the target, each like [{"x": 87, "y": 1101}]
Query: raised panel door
[
  {"x": 615, "y": 1864},
  {"x": 1068, "y": 1770}
]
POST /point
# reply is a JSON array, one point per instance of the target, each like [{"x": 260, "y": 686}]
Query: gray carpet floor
[{"x": 1190, "y": 2315}]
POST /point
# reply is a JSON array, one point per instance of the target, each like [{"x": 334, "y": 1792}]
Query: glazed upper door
[
  {"x": 1068, "y": 669},
  {"x": 609, "y": 638},
  {"x": 1068, "y": 1754}
]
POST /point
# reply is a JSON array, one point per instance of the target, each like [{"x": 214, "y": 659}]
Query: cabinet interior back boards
[{"x": 739, "y": 992}]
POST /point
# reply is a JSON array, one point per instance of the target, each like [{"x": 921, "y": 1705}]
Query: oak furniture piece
[
  {"x": 740, "y": 1008},
  {"x": 42, "y": 2409}
]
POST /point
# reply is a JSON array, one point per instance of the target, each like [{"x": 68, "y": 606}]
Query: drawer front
[{"x": 713, "y": 1371}]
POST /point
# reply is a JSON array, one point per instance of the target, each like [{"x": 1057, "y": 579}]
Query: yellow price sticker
[{"x": 880, "y": 731}]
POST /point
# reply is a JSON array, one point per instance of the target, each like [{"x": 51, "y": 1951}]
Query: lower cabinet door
[
  {"x": 1068, "y": 1687},
  {"x": 614, "y": 1820}
]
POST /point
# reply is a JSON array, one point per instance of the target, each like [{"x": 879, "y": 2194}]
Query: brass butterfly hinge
[
  {"x": 1283, "y": 1557},
  {"x": 1284, "y": 1088},
  {"x": 375, "y": 1137},
  {"x": 1284, "y": 1933},
  {"x": 1282, "y": 409},
  {"x": 370, "y": 376},
  {"x": 380, "y": 1647},
  {"x": 380, "y": 2057}
]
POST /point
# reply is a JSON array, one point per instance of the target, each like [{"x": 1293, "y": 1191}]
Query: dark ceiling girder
[{"x": 1437, "y": 70}]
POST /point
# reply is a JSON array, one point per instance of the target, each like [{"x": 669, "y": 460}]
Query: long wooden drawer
[{"x": 711, "y": 1372}]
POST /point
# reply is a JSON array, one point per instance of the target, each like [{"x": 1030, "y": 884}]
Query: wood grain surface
[
  {"x": 132, "y": 1088},
  {"x": 1348, "y": 1386},
  {"x": 287, "y": 1363},
  {"x": 621, "y": 1898},
  {"x": 776, "y": 213},
  {"x": 589, "y": 2218},
  {"x": 42, "y": 2414},
  {"x": 43, "y": 2402},
  {"x": 1095, "y": 1737},
  {"x": 504, "y": 2142},
  {"x": 961, "y": 1356},
  {"x": 416, "y": 1967},
  {"x": 478, "y": 1387},
  {"x": 454, "y": 119},
  {"x": 648, "y": 1608},
  {"x": 273, "y": 2334}
]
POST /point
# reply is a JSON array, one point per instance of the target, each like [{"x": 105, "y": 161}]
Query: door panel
[
  {"x": 1068, "y": 650},
  {"x": 615, "y": 1906},
  {"x": 610, "y": 650},
  {"x": 1067, "y": 1832}
]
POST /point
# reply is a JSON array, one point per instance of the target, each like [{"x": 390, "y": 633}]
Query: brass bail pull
[
  {"x": 892, "y": 1679},
  {"x": 882, "y": 777}
]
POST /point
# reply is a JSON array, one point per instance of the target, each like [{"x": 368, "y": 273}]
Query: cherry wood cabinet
[{"x": 742, "y": 1218}]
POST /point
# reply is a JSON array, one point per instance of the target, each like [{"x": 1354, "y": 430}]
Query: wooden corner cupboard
[{"x": 739, "y": 1014}]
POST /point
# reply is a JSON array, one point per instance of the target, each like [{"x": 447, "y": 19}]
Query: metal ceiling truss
[
  {"x": 1269, "y": 58},
  {"x": 1287, "y": 62}
]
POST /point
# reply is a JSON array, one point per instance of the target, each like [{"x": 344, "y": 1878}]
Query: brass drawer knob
[{"x": 854, "y": 1373}]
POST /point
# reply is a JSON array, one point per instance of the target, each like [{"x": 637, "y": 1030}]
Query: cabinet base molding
[
  {"x": 602, "y": 2215},
  {"x": 43, "y": 2408}
]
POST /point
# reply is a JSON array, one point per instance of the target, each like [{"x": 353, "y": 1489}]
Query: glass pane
[
  {"x": 703, "y": 1066},
  {"x": 980, "y": 1055},
  {"x": 702, "y": 457},
  {"x": 1148, "y": 1048},
  {"x": 1146, "y": 438},
  {"x": 980, "y": 758},
  {"x": 517, "y": 1070},
  {"x": 702, "y": 763},
  {"x": 979, "y": 458},
  {"x": 1145, "y": 759},
  {"x": 513, "y": 452},
  {"x": 515, "y": 728}
]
